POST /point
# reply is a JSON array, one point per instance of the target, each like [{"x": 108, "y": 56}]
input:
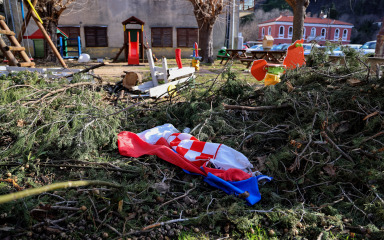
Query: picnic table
[
  {"x": 233, "y": 54},
  {"x": 248, "y": 57},
  {"x": 276, "y": 57}
]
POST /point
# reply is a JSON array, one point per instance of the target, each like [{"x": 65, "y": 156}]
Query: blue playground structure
[{"x": 64, "y": 47}]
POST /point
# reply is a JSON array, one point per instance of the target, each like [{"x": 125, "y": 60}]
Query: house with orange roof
[{"x": 315, "y": 29}]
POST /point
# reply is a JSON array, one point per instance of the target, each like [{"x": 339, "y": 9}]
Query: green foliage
[
  {"x": 272, "y": 4},
  {"x": 67, "y": 125},
  {"x": 257, "y": 234},
  {"x": 307, "y": 199},
  {"x": 233, "y": 87}
]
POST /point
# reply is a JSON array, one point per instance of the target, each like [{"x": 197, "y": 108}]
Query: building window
[
  {"x": 313, "y": 32},
  {"x": 262, "y": 32},
  {"x": 281, "y": 31},
  {"x": 269, "y": 30},
  {"x": 161, "y": 37},
  {"x": 345, "y": 34},
  {"x": 290, "y": 31},
  {"x": 304, "y": 33},
  {"x": 337, "y": 33},
  {"x": 186, "y": 37},
  {"x": 323, "y": 33},
  {"x": 72, "y": 33},
  {"x": 96, "y": 36}
]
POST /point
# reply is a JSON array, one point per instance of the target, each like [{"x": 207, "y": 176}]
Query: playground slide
[
  {"x": 133, "y": 55},
  {"x": 178, "y": 58}
]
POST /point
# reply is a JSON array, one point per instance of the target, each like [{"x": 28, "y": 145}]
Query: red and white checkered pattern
[{"x": 192, "y": 149}]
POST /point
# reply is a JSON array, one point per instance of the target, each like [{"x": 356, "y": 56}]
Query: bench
[
  {"x": 170, "y": 76},
  {"x": 223, "y": 58},
  {"x": 249, "y": 61}
]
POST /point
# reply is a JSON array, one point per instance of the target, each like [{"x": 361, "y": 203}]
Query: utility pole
[
  {"x": 233, "y": 24},
  {"x": 227, "y": 26}
]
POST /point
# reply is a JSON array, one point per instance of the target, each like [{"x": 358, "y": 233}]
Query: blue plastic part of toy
[{"x": 250, "y": 185}]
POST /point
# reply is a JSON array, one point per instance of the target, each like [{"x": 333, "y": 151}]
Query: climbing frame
[{"x": 16, "y": 47}]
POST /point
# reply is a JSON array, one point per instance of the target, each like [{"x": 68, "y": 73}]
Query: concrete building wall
[{"x": 155, "y": 13}]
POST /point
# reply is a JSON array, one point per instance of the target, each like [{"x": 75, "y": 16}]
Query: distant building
[
  {"x": 315, "y": 29},
  {"x": 245, "y": 5}
]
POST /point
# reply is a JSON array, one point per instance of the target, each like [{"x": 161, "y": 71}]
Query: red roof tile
[{"x": 309, "y": 20}]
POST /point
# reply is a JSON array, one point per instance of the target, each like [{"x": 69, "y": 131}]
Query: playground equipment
[
  {"x": 133, "y": 53},
  {"x": 16, "y": 47},
  {"x": 38, "y": 41},
  {"x": 222, "y": 53},
  {"x": 153, "y": 88},
  {"x": 32, "y": 13},
  {"x": 64, "y": 46},
  {"x": 132, "y": 34},
  {"x": 195, "y": 57},
  {"x": 267, "y": 42},
  {"x": 271, "y": 73}
]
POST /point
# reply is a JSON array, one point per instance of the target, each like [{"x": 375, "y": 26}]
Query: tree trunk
[
  {"x": 206, "y": 41},
  {"x": 206, "y": 13},
  {"x": 51, "y": 28},
  {"x": 298, "y": 19}
]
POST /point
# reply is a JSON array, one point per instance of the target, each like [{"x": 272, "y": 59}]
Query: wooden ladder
[{"x": 7, "y": 50}]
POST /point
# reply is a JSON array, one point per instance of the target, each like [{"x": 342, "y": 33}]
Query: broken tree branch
[
  {"x": 324, "y": 134},
  {"x": 58, "y": 91},
  {"x": 259, "y": 108},
  {"x": 89, "y": 69},
  {"x": 374, "y": 136},
  {"x": 51, "y": 187},
  {"x": 185, "y": 194}
]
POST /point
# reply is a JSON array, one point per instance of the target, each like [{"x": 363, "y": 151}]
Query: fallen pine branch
[
  {"x": 61, "y": 166},
  {"x": 329, "y": 140},
  {"x": 259, "y": 108},
  {"x": 51, "y": 187},
  {"x": 296, "y": 164},
  {"x": 184, "y": 195},
  {"x": 61, "y": 90},
  {"x": 58, "y": 91},
  {"x": 374, "y": 136},
  {"x": 339, "y": 76},
  {"x": 188, "y": 219},
  {"x": 54, "y": 222}
]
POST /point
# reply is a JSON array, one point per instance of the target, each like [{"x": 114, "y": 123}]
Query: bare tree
[
  {"x": 50, "y": 12},
  {"x": 298, "y": 7},
  {"x": 206, "y": 13}
]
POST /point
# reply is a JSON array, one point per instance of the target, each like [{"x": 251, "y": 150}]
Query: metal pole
[
  {"x": 227, "y": 27},
  {"x": 10, "y": 10},
  {"x": 233, "y": 25},
  {"x": 22, "y": 9}
]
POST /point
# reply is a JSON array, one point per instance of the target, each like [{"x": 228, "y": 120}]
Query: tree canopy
[{"x": 206, "y": 13}]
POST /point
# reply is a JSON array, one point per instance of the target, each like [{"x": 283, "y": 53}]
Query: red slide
[
  {"x": 133, "y": 55},
  {"x": 178, "y": 58}
]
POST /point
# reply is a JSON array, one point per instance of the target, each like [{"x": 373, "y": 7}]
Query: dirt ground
[{"x": 114, "y": 71}]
